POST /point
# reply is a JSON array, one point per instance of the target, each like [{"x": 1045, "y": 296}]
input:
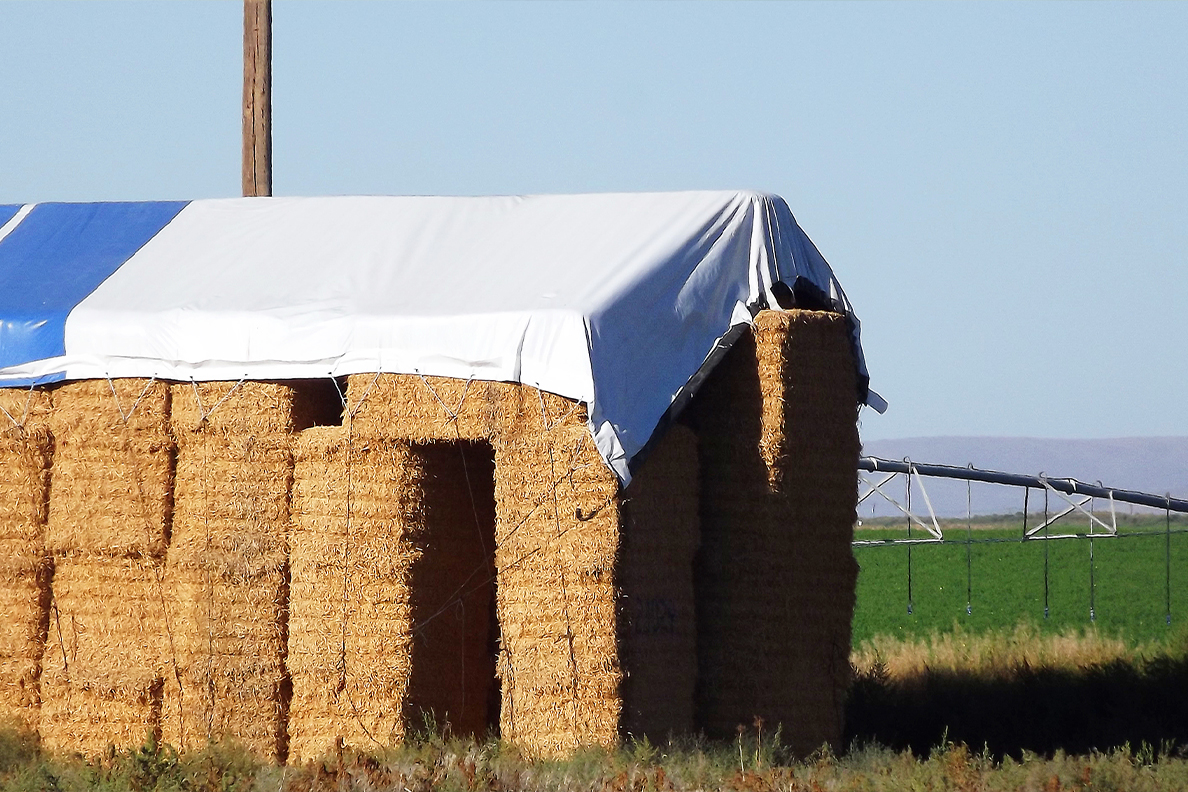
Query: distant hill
[{"x": 1150, "y": 464}]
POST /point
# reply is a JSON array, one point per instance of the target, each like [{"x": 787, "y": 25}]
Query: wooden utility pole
[{"x": 257, "y": 97}]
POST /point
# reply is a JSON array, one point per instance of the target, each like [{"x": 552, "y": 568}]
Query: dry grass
[
  {"x": 1020, "y": 690},
  {"x": 435, "y": 763},
  {"x": 994, "y": 654}
]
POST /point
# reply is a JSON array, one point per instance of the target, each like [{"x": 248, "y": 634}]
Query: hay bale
[
  {"x": 356, "y": 503},
  {"x": 92, "y": 410},
  {"x": 253, "y": 408},
  {"x": 25, "y": 569},
  {"x": 24, "y": 601},
  {"x": 658, "y": 626},
  {"x": 24, "y": 587},
  {"x": 231, "y": 503},
  {"x": 88, "y": 717},
  {"x": 229, "y": 679},
  {"x": 423, "y": 409},
  {"x": 776, "y": 424},
  {"x": 24, "y": 485},
  {"x": 113, "y": 478},
  {"x": 558, "y": 536},
  {"x": 228, "y": 569},
  {"x": 105, "y": 653}
]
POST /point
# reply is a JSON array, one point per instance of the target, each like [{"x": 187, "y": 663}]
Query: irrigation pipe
[{"x": 1069, "y": 486}]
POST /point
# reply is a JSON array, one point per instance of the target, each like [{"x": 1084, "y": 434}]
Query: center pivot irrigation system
[{"x": 878, "y": 477}]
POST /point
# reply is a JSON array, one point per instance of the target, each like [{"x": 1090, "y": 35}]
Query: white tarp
[{"x": 615, "y": 300}]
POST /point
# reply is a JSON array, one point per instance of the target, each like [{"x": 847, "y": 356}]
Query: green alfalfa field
[
  {"x": 997, "y": 581},
  {"x": 978, "y": 661}
]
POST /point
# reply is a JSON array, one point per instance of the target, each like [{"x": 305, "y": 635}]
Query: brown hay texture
[
  {"x": 355, "y": 504},
  {"x": 105, "y": 653},
  {"x": 110, "y": 508},
  {"x": 558, "y": 538},
  {"x": 227, "y": 567},
  {"x": 776, "y": 423},
  {"x": 25, "y": 408},
  {"x": 424, "y": 409},
  {"x": 112, "y": 485},
  {"x": 25, "y": 569},
  {"x": 658, "y": 626}
]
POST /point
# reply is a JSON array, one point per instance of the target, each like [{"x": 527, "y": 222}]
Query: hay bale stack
[
  {"x": 110, "y": 508},
  {"x": 452, "y": 590},
  {"x": 25, "y": 570},
  {"x": 355, "y": 504},
  {"x": 423, "y": 409},
  {"x": 776, "y": 423},
  {"x": 558, "y": 535},
  {"x": 658, "y": 625},
  {"x": 557, "y": 532},
  {"x": 228, "y": 566},
  {"x": 819, "y": 492}
]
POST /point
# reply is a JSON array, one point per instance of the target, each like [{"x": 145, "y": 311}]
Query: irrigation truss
[{"x": 878, "y": 477}]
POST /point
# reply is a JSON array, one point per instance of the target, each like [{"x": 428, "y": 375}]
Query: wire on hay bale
[
  {"x": 25, "y": 569},
  {"x": 355, "y": 503},
  {"x": 227, "y": 566},
  {"x": 776, "y": 423},
  {"x": 25, "y": 408},
  {"x": 558, "y": 536},
  {"x": 110, "y": 506},
  {"x": 424, "y": 409},
  {"x": 112, "y": 478},
  {"x": 105, "y": 654},
  {"x": 658, "y": 630}
]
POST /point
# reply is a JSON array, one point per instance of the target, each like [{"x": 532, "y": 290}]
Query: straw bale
[
  {"x": 776, "y": 424},
  {"x": 356, "y": 504},
  {"x": 222, "y": 701},
  {"x": 27, "y": 407},
  {"x": 231, "y": 502},
  {"x": 228, "y": 645},
  {"x": 105, "y": 651},
  {"x": 658, "y": 630},
  {"x": 107, "y": 621},
  {"x": 24, "y": 484},
  {"x": 112, "y": 479},
  {"x": 558, "y": 535},
  {"x": 452, "y": 590},
  {"x": 252, "y": 408},
  {"x": 423, "y": 409},
  {"x": 227, "y": 572},
  {"x": 24, "y": 590},
  {"x": 25, "y": 568},
  {"x": 89, "y": 717},
  {"x": 112, "y": 500},
  {"x": 87, "y": 411}
]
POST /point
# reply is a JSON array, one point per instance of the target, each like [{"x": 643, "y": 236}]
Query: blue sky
[{"x": 1000, "y": 188}]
